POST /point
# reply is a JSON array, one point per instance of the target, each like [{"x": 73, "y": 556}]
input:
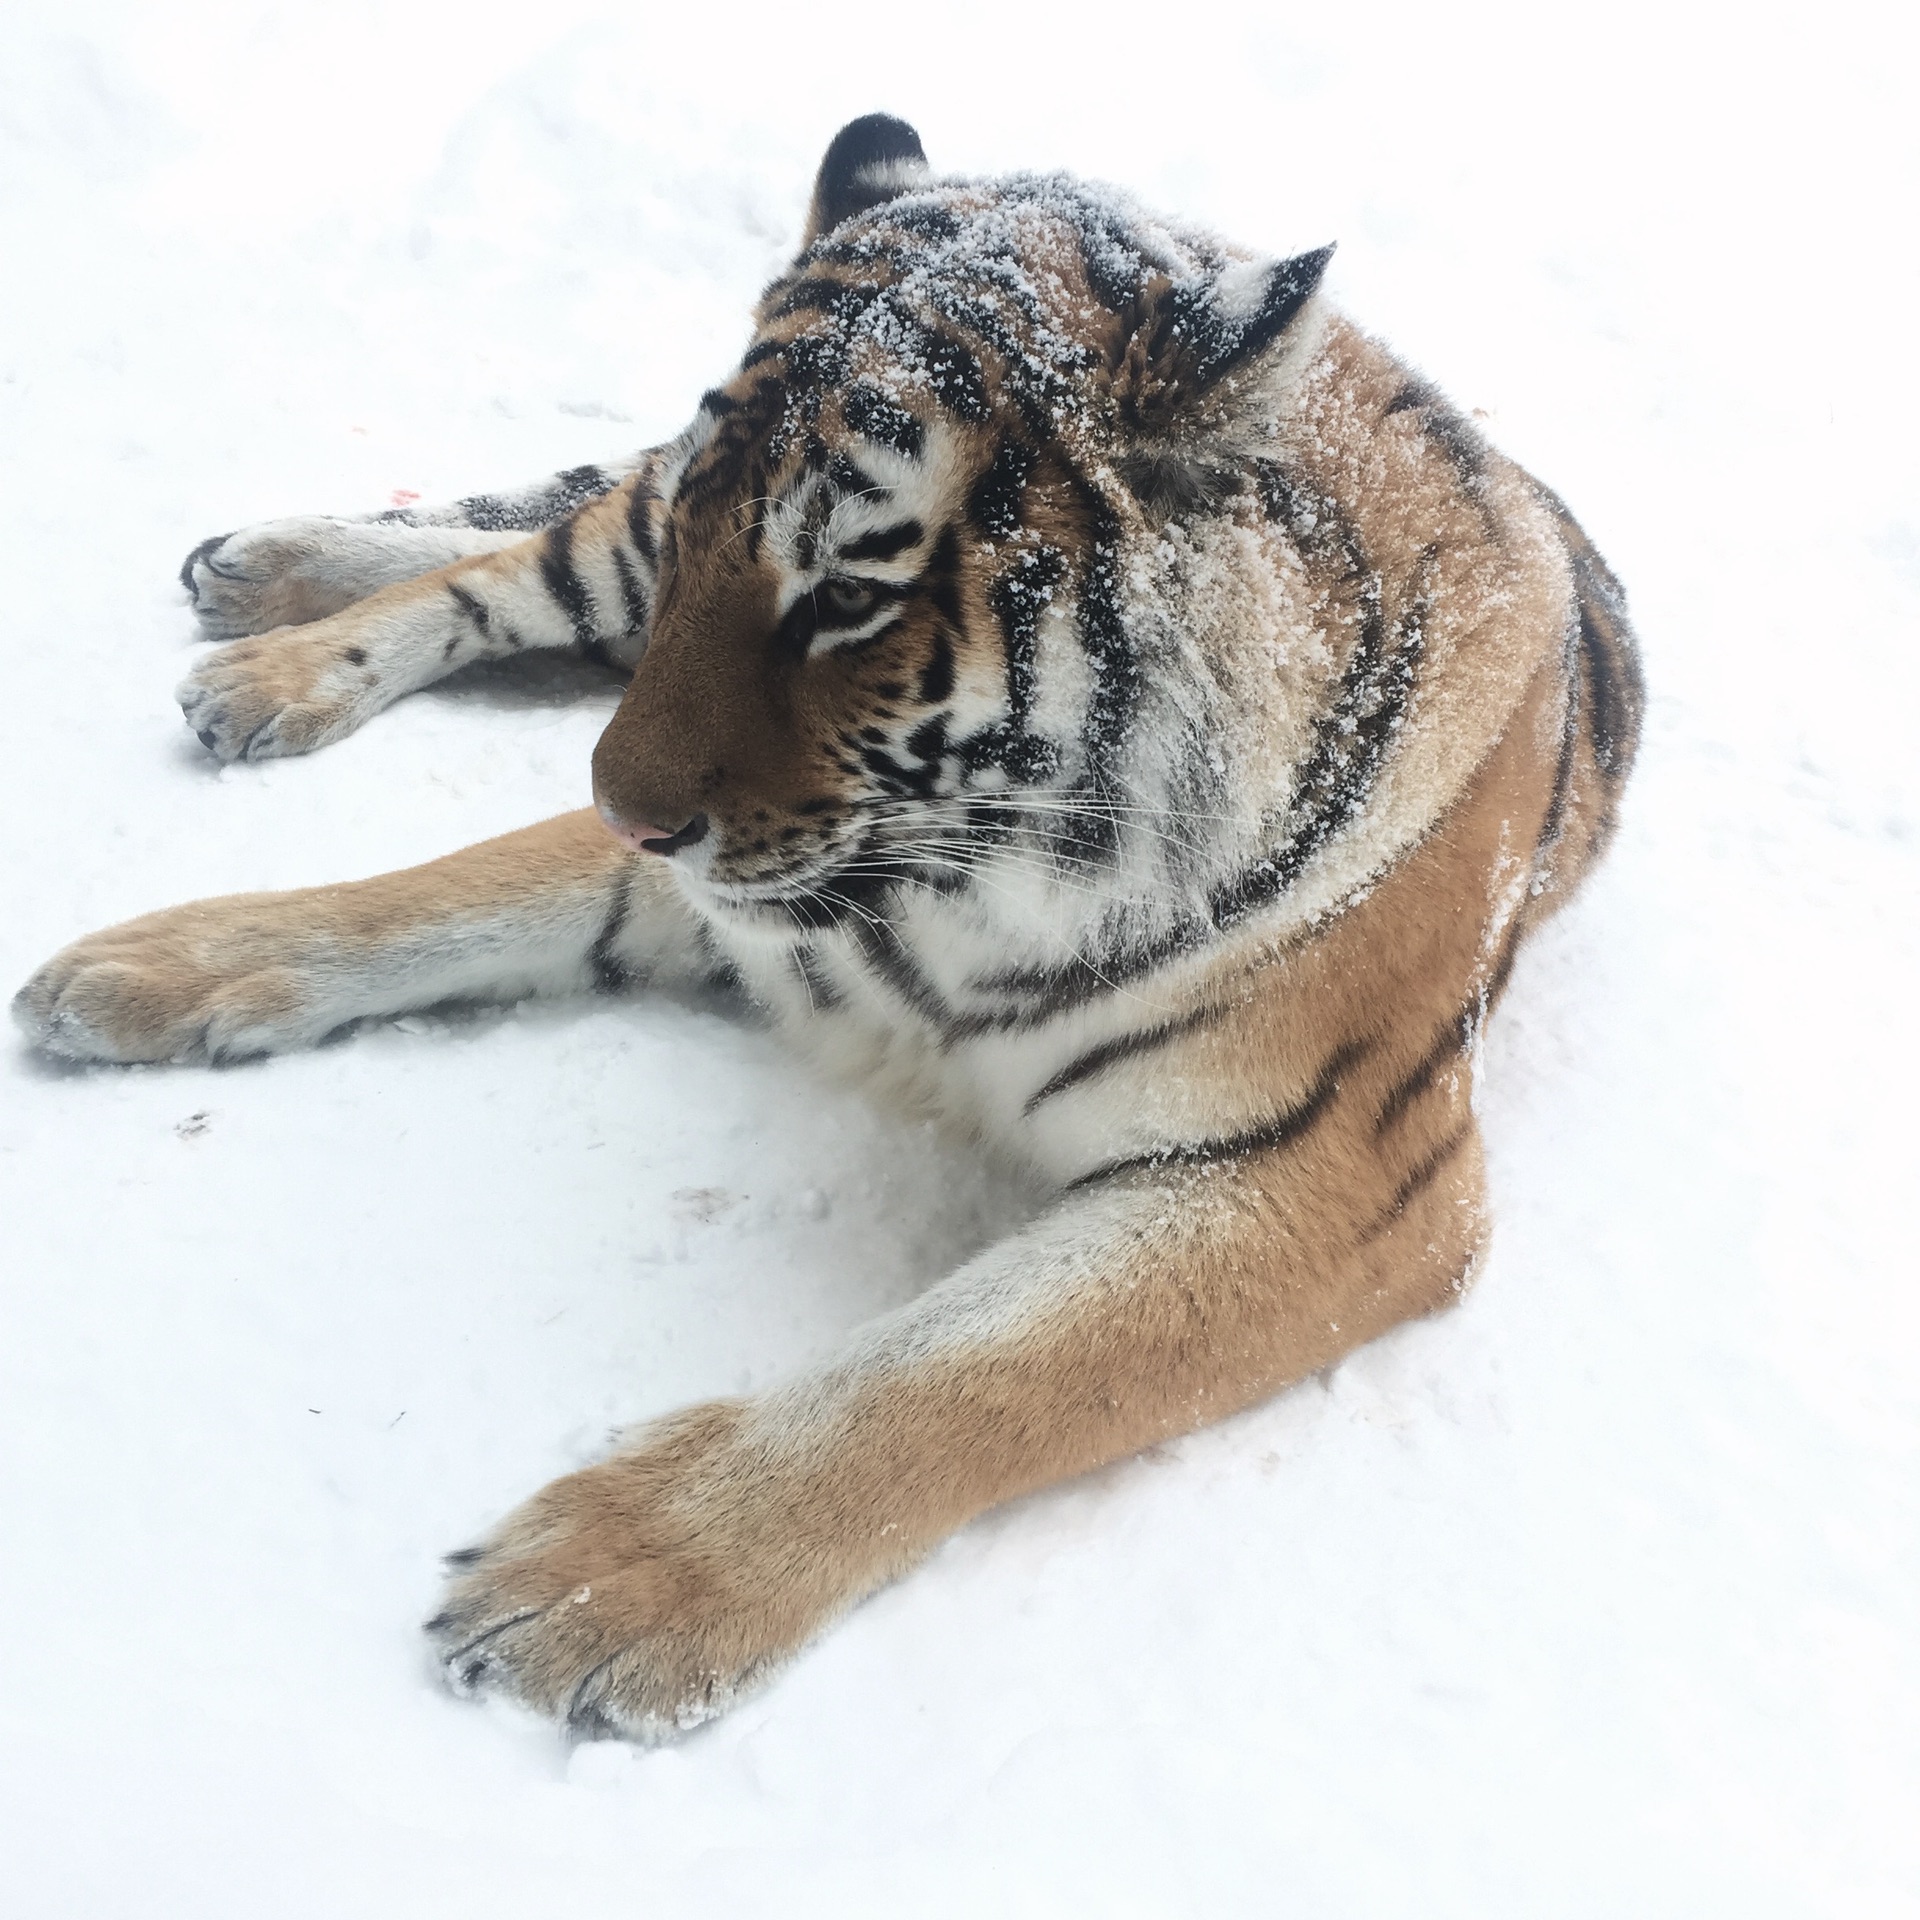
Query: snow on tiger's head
[{"x": 894, "y": 561}]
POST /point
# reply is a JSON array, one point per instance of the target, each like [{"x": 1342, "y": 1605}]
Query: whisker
[{"x": 1054, "y": 934}]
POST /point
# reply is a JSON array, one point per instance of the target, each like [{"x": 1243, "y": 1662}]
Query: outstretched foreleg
[
  {"x": 586, "y": 582},
  {"x": 283, "y": 573},
  {"x": 647, "y": 1593},
  {"x": 551, "y": 909}
]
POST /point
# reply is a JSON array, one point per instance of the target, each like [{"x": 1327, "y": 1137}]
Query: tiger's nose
[{"x": 645, "y": 837}]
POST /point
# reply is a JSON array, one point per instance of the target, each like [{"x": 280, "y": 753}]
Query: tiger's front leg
[
  {"x": 586, "y": 582},
  {"x": 648, "y": 1593},
  {"x": 550, "y": 909}
]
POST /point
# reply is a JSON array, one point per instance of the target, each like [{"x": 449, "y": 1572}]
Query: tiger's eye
[{"x": 848, "y": 599}]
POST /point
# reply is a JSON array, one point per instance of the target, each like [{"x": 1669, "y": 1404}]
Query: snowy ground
[{"x": 1597, "y": 1597}]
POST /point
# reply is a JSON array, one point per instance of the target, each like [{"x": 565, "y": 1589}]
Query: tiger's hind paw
[{"x": 282, "y": 574}]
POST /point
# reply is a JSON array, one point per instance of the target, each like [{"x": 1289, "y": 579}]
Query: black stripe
[
  {"x": 848, "y": 475},
  {"x": 574, "y": 488},
  {"x": 633, "y": 596},
  {"x": 812, "y": 294},
  {"x": 1112, "y": 263},
  {"x": 1562, "y": 791},
  {"x": 1027, "y": 759},
  {"x": 1422, "y": 1177},
  {"x": 941, "y": 580},
  {"x": 1502, "y": 969},
  {"x": 610, "y": 973},
  {"x": 491, "y": 514},
  {"x": 841, "y": 302},
  {"x": 886, "y": 543},
  {"x": 1127, "y": 1046},
  {"x": 924, "y": 218},
  {"x": 874, "y": 417},
  {"x": 1452, "y": 1041},
  {"x": 957, "y": 378},
  {"x": 1457, "y": 1036},
  {"x": 898, "y": 781},
  {"x": 869, "y": 255},
  {"x": 564, "y": 583},
  {"x": 1050, "y": 991},
  {"x": 475, "y": 610},
  {"x": 928, "y": 741},
  {"x": 1354, "y": 732},
  {"x": 885, "y": 953},
  {"x": 994, "y": 504},
  {"x": 1616, "y": 689},
  {"x": 1282, "y": 1130},
  {"x": 936, "y": 677},
  {"x": 822, "y": 994},
  {"x": 721, "y": 972},
  {"x": 1109, "y": 650},
  {"x": 1458, "y": 441},
  {"x": 1041, "y": 385},
  {"x": 814, "y": 366},
  {"x": 640, "y": 505},
  {"x": 721, "y": 464}
]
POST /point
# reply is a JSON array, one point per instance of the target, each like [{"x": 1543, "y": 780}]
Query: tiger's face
[
  {"x": 890, "y": 549},
  {"x": 822, "y": 639}
]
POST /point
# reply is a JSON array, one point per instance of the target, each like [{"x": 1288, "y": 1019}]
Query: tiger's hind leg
[{"x": 284, "y": 573}]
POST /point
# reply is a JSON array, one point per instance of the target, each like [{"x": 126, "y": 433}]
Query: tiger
[{"x": 1084, "y": 689}]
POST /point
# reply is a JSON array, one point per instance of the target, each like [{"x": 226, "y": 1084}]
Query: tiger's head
[{"x": 894, "y": 549}]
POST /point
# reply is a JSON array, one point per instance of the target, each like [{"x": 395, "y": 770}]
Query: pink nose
[
  {"x": 633, "y": 833},
  {"x": 644, "y": 837}
]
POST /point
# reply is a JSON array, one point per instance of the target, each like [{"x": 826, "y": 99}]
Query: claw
[
  {"x": 194, "y": 558},
  {"x": 466, "y": 1663}
]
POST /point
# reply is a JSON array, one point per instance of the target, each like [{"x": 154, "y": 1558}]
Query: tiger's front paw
[
  {"x": 281, "y": 574},
  {"x": 218, "y": 980},
  {"x": 283, "y": 692},
  {"x": 649, "y": 1593}
]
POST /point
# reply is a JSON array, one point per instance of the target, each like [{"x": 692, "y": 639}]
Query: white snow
[{"x": 1596, "y": 1597}]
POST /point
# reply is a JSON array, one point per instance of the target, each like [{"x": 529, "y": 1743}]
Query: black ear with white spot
[
  {"x": 871, "y": 159},
  {"x": 1185, "y": 337}
]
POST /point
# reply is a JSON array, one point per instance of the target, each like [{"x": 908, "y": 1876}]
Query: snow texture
[{"x": 1594, "y": 1597}]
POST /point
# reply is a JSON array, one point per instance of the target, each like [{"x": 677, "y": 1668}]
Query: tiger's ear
[
  {"x": 870, "y": 160},
  {"x": 1183, "y": 338}
]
